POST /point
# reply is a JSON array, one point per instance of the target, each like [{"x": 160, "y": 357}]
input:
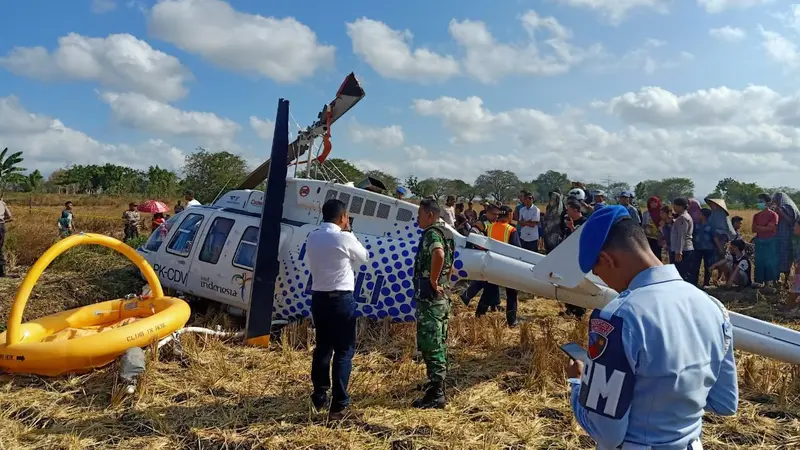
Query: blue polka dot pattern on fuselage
[{"x": 389, "y": 272}]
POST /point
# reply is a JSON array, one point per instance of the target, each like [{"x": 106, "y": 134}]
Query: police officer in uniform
[
  {"x": 431, "y": 276},
  {"x": 660, "y": 354}
]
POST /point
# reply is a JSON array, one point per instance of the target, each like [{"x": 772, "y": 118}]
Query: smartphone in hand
[{"x": 575, "y": 351}]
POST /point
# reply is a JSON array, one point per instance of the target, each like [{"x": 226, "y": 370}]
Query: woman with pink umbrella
[{"x": 157, "y": 209}]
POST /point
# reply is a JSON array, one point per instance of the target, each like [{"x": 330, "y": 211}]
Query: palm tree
[{"x": 9, "y": 167}]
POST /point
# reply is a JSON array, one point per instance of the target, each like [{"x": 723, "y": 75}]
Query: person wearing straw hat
[
  {"x": 721, "y": 225},
  {"x": 659, "y": 355}
]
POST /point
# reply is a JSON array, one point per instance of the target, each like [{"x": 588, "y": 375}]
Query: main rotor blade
[{"x": 350, "y": 93}]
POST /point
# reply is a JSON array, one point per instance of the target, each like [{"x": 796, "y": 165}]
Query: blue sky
[{"x": 626, "y": 89}]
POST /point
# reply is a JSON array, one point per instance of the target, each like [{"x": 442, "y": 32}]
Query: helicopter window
[
  {"x": 330, "y": 194},
  {"x": 215, "y": 240},
  {"x": 344, "y": 197},
  {"x": 383, "y": 211},
  {"x": 369, "y": 207},
  {"x": 355, "y": 206},
  {"x": 157, "y": 236},
  {"x": 404, "y": 215},
  {"x": 245, "y": 256},
  {"x": 181, "y": 243}
]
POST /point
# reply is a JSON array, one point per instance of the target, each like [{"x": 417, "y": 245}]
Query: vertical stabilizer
[{"x": 265, "y": 271}]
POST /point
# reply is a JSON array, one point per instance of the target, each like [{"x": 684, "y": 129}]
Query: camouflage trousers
[{"x": 432, "y": 320}]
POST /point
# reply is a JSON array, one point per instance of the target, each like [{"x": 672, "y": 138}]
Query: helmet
[
  {"x": 401, "y": 190},
  {"x": 577, "y": 194}
]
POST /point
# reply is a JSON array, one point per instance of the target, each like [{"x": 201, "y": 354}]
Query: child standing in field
[{"x": 65, "y": 226}]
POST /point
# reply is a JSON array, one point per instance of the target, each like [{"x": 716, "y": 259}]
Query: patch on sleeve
[
  {"x": 599, "y": 330},
  {"x": 608, "y": 378}
]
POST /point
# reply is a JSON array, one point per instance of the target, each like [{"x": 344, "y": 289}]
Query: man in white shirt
[
  {"x": 449, "y": 212},
  {"x": 188, "y": 195},
  {"x": 529, "y": 216},
  {"x": 332, "y": 252}
]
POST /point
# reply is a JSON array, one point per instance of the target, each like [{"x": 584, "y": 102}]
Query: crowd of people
[{"x": 704, "y": 243}]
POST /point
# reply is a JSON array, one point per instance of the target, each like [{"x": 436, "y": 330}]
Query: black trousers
[
  {"x": 530, "y": 245},
  {"x": 686, "y": 266},
  {"x": 704, "y": 259},
  {"x": 491, "y": 297},
  {"x": 334, "y": 315},
  {"x": 655, "y": 247}
]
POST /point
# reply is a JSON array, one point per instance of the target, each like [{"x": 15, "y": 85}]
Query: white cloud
[
  {"x": 488, "y": 60},
  {"x": 728, "y": 34},
  {"x": 751, "y": 134},
  {"x": 386, "y": 137},
  {"x": 264, "y": 128},
  {"x": 388, "y": 52},
  {"x": 717, "y": 106},
  {"x": 137, "y": 111},
  {"x": 718, "y": 6},
  {"x": 649, "y": 57},
  {"x": 119, "y": 61},
  {"x": 780, "y": 49},
  {"x": 48, "y": 144},
  {"x": 103, "y": 6},
  {"x": 615, "y": 11},
  {"x": 284, "y": 50}
]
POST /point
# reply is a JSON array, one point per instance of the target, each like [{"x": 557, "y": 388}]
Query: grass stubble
[{"x": 507, "y": 388}]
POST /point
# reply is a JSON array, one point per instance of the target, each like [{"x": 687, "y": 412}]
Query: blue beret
[{"x": 594, "y": 234}]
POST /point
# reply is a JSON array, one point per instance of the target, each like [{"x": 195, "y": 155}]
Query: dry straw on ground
[{"x": 506, "y": 387}]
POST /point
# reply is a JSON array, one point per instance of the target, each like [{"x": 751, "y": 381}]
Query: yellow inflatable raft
[{"x": 91, "y": 336}]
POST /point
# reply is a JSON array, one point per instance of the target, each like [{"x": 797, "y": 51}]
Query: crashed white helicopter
[{"x": 247, "y": 250}]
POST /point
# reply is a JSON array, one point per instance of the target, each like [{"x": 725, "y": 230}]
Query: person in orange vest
[
  {"x": 491, "y": 212},
  {"x": 502, "y": 231}
]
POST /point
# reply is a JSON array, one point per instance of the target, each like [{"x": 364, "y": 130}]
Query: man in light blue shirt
[
  {"x": 660, "y": 354},
  {"x": 625, "y": 199}
]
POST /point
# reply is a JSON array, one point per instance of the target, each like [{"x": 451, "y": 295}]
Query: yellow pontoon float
[{"x": 91, "y": 336}]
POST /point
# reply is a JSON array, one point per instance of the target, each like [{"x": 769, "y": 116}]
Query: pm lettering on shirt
[{"x": 607, "y": 381}]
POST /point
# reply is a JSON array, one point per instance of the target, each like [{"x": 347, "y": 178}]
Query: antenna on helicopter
[{"x": 350, "y": 93}]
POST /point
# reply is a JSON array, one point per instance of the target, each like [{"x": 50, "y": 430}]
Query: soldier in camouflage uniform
[{"x": 431, "y": 277}]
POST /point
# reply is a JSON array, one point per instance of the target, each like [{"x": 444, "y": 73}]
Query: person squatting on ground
[
  {"x": 332, "y": 252},
  {"x": 432, "y": 267},
  {"x": 660, "y": 354}
]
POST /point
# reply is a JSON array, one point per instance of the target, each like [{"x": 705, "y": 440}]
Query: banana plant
[{"x": 9, "y": 167}]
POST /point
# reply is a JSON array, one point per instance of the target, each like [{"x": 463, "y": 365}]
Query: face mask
[{"x": 761, "y": 205}]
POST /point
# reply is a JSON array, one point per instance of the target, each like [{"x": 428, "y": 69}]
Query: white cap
[{"x": 577, "y": 193}]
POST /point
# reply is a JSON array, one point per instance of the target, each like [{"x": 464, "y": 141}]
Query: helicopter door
[{"x": 211, "y": 270}]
